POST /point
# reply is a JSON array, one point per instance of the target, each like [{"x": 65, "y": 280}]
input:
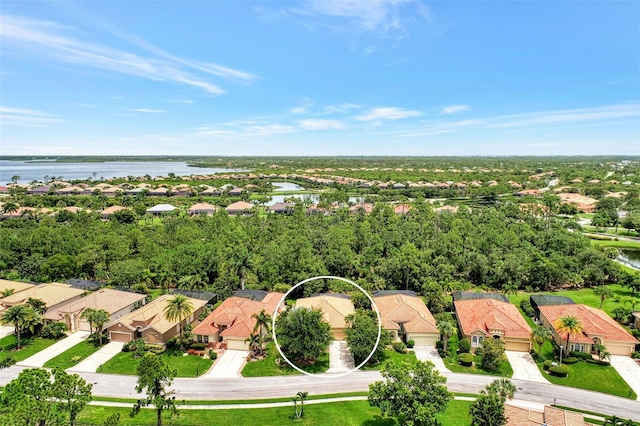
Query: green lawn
[
  {"x": 389, "y": 355},
  {"x": 82, "y": 349},
  {"x": 633, "y": 245},
  {"x": 29, "y": 347},
  {"x": 186, "y": 366},
  {"x": 343, "y": 413},
  {"x": 583, "y": 296},
  {"x": 583, "y": 375},
  {"x": 268, "y": 366},
  {"x": 451, "y": 362}
]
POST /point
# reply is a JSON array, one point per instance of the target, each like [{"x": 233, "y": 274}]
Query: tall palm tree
[
  {"x": 503, "y": 387},
  {"x": 9, "y": 208},
  {"x": 100, "y": 318},
  {"x": 604, "y": 291},
  {"x": 177, "y": 309},
  {"x": 242, "y": 263},
  {"x": 263, "y": 322},
  {"x": 446, "y": 328},
  {"x": 88, "y": 315},
  {"x": 568, "y": 324},
  {"x": 540, "y": 335},
  {"x": 16, "y": 315},
  {"x": 255, "y": 343}
]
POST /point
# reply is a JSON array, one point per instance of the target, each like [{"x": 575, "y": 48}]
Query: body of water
[
  {"x": 287, "y": 186},
  {"x": 68, "y": 171},
  {"x": 313, "y": 198},
  {"x": 630, "y": 258}
]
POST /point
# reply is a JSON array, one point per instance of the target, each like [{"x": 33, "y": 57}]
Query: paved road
[
  {"x": 287, "y": 386},
  {"x": 96, "y": 359},
  {"x": 524, "y": 367},
  {"x": 54, "y": 350}
]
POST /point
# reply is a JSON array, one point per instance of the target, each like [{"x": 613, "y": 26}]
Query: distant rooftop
[
  {"x": 472, "y": 295},
  {"x": 340, "y": 295},
  {"x": 380, "y": 293}
]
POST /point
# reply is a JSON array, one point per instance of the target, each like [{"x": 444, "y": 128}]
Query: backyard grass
[
  {"x": 82, "y": 350},
  {"x": 583, "y": 375},
  {"x": 451, "y": 362},
  {"x": 389, "y": 355},
  {"x": 343, "y": 413},
  {"x": 29, "y": 347},
  {"x": 632, "y": 245},
  {"x": 186, "y": 366},
  {"x": 268, "y": 366}
]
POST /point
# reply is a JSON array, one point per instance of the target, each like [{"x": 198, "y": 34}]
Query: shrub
[
  {"x": 171, "y": 342},
  {"x": 76, "y": 358},
  {"x": 635, "y": 332},
  {"x": 439, "y": 344},
  {"x": 137, "y": 345},
  {"x": 559, "y": 370},
  {"x": 598, "y": 362},
  {"x": 464, "y": 346},
  {"x": 400, "y": 347},
  {"x": 158, "y": 351},
  {"x": 197, "y": 346},
  {"x": 465, "y": 359},
  {"x": 213, "y": 354},
  {"x": 570, "y": 360},
  {"x": 526, "y": 307},
  {"x": 410, "y": 344},
  {"x": 635, "y": 355},
  {"x": 54, "y": 330},
  {"x": 442, "y": 353},
  {"x": 191, "y": 351},
  {"x": 580, "y": 355},
  {"x": 547, "y": 364}
]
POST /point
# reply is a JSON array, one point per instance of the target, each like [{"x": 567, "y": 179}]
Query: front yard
[
  {"x": 451, "y": 362},
  {"x": 73, "y": 356},
  {"x": 389, "y": 355},
  {"x": 30, "y": 347},
  {"x": 186, "y": 366},
  {"x": 268, "y": 366}
]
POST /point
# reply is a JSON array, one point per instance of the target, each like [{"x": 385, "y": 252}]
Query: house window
[
  {"x": 199, "y": 337},
  {"x": 476, "y": 341},
  {"x": 577, "y": 347},
  {"x": 206, "y": 339}
]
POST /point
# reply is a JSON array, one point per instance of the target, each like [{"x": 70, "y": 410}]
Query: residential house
[
  {"x": 282, "y": 208},
  {"x": 550, "y": 416},
  {"x": 39, "y": 190},
  {"x": 335, "y": 307},
  {"x": 106, "y": 213},
  {"x": 232, "y": 322},
  {"x": 402, "y": 208},
  {"x": 202, "y": 208},
  {"x": 51, "y": 294},
  {"x": 636, "y": 319},
  {"x": 538, "y": 300},
  {"x": 116, "y": 303},
  {"x": 597, "y": 327},
  {"x": 160, "y": 209},
  {"x": 208, "y": 296},
  {"x": 481, "y": 319},
  {"x": 406, "y": 317},
  {"x": 236, "y": 192},
  {"x": 239, "y": 207},
  {"x": 16, "y": 286},
  {"x": 361, "y": 207},
  {"x": 149, "y": 322}
]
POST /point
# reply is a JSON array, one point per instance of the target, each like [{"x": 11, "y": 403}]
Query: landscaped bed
[
  {"x": 451, "y": 362},
  {"x": 73, "y": 356},
  {"x": 390, "y": 355},
  {"x": 268, "y": 366},
  {"x": 186, "y": 366},
  {"x": 30, "y": 347}
]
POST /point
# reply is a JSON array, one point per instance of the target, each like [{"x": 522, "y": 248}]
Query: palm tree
[
  {"x": 263, "y": 322},
  {"x": 446, "y": 328},
  {"x": 568, "y": 324},
  {"x": 177, "y": 309},
  {"x": 100, "y": 318},
  {"x": 88, "y": 315},
  {"x": 604, "y": 291},
  {"x": 502, "y": 387},
  {"x": 242, "y": 263},
  {"x": 255, "y": 343},
  {"x": 16, "y": 315},
  {"x": 302, "y": 396},
  {"x": 9, "y": 208},
  {"x": 540, "y": 335}
]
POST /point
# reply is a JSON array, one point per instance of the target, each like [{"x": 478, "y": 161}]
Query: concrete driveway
[
  {"x": 228, "y": 365},
  {"x": 340, "y": 358},
  {"x": 54, "y": 350},
  {"x": 426, "y": 353},
  {"x": 96, "y": 359},
  {"x": 629, "y": 370},
  {"x": 6, "y": 330},
  {"x": 524, "y": 367}
]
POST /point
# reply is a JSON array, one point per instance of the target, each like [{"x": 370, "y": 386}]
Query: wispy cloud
[
  {"x": 387, "y": 113},
  {"x": 10, "y": 116},
  {"x": 243, "y": 132},
  {"x": 182, "y": 101},
  {"x": 317, "y": 124},
  {"x": 148, "y": 110},
  {"x": 342, "y": 108},
  {"x": 54, "y": 41},
  {"x": 455, "y": 108},
  {"x": 620, "y": 80}
]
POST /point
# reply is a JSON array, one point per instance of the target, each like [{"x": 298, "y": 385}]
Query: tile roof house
[
  {"x": 406, "y": 317},
  {"x": 51, "y": 294},
  {"x": 16, "y": 286},
  {"x": 202, "y": 208},
  {"x": 160, "y": 209},
  {"x": 551, "y": 416},
  {"x": 489, "y": 318},
  {"x": 597, "y": 327},
  {"x": 402, "y": 208},
  {"x": 149, "y": 322},
  {"x": 335, "y": 307},
  {"x": 106, "y": 213},
  {"x": 116, "y": 303},
  {"x": 239, "y": 207},
  {"x": 232, "y": 322}
]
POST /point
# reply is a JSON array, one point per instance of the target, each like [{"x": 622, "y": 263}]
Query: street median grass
[
  {"x": 346, "y": 413},
  {"x": 30, "y": 347},
  {"x": 268, "y": 366},
  {"x": 66, "y": 359},
  {"x": 186, "y": 366}
]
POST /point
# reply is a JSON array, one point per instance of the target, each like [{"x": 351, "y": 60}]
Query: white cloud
[
  {"x": 387, "y": 113},
  {"x": 243, "y": 132},
  {"x": 10, "y": 116},
  {"x": 53, "y": 41},
  {"x": 148, "y": 110},
  {"x": 317, "y": 124},
  {"x": 340, "y": 108},
  {"x": 299, "y": 110},
  {"x": 455, "y": 108},
  {"x": 182, "y": 101}
]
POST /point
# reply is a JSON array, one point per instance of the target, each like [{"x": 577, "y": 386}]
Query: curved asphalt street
[{"x": 286, "y": 386}]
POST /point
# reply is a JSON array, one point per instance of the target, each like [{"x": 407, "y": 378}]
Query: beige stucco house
[
  {"x": 335, "y": 307},
  {"x": 406, "y": 317}
]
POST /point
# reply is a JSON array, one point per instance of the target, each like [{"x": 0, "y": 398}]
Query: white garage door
[
  {"x": 423, "y": 339},
  {"x": 238, "y": 345}
]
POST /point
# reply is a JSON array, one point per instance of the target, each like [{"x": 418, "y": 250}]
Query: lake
[
  {"x": 314, "y": 198},
  {"x": 68, "y": 171},
  {"x": 630, "y": 258},
  {"x": 286, "y": 186}
]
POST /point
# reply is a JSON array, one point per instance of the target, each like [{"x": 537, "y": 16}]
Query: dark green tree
[
  {"x": 303, "y": 334},
  {"x": 154, "y": 378},
  {"x": 361, "y": 336}
]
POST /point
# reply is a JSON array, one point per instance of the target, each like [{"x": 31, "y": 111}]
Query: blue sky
[{"x": 343, "y": 77}]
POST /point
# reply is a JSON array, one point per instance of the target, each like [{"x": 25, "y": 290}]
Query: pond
[
  {"x": 287, "y": 186},
  {"x": 630, "y": 258}
]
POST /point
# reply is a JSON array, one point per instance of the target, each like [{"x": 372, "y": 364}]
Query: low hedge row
[
  {"x": 466, "y": 359},
  {"x": 581, "y": 355},
  {"x": 559, "y": 370},
  {"x": 570, "y": 360}
]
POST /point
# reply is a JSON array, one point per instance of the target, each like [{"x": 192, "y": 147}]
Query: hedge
[
  {"x": 547, "y": 364},
  {"x": 197, "y": 346},
  {"x": 410, "y": 344},
  {"x": 559, "y": 370},
  {"x": 581, "y": 355},
  {"x": 595, "y": 361},
  {"x": 570, "y": 360},
  {"x": 466, "y": 359}
]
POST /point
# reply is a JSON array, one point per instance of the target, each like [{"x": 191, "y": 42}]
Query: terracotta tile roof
[
  {"x": 334, "y": 307},
  {"x": 594, "y": 323},
  {"x": 484, "y": 314},
  {"x": 396, "y": 309},
  {"x": 236, "y": 313},
  {"x": 108, "y": 299}
]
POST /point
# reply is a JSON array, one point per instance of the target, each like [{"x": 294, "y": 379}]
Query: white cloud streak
[
  {"x": 51, "y": 40},
  {"x": 10, "y": 116},
  {"x": 387, "y": 113},
  {"x": 455, "y": 108},
  {"x": 148, "y": 110},
  {"x": 317, "y": 124}
]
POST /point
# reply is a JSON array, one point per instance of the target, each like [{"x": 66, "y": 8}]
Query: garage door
[
  {"x": 619, "y": 349},
  {"x": 423, "y": 340},
  {"x": 83, "y": 325},
  {"x": 116, "y": 336},
  {"x": 517, "y": 346},
  {"x": 238, "y": 345}
]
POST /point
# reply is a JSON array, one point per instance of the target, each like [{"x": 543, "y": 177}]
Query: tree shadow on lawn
[{"x": 380, "y": 421}]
